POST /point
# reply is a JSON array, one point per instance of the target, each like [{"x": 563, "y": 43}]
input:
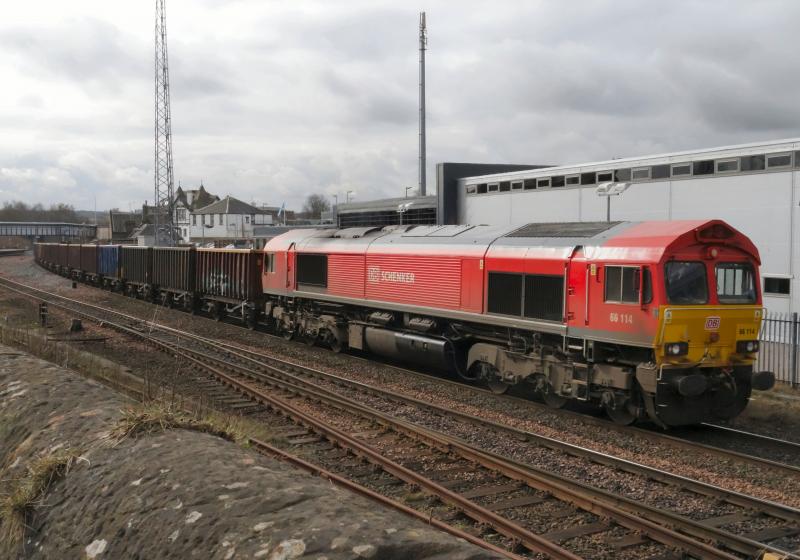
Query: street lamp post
[
  {"x": 608, "y": 190},
  {"x": 347, "y": 196},
  {"x": 408, "y": 189}
]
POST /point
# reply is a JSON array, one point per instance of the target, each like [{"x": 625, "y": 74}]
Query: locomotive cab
[{"x": 707, "y": 338}]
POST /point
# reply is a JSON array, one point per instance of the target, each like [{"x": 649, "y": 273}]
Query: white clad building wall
[{"x": 763, "y": 204}]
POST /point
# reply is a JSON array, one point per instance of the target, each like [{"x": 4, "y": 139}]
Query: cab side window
[
  {"x": 269, "y": 263},
  {"x": 623, "y": 284}
]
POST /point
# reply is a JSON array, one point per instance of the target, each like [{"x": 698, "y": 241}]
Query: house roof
[
  {"x": 200, "y": 199},
  {"x": 230, "y": 205}
]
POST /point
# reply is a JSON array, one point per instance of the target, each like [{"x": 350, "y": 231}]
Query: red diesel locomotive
[{"x": 655, "y": 320}]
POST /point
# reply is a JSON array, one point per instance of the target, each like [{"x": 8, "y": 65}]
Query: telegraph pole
[
  {"x": 164, "y": 178},
  {"x": 423, "y": 43}
]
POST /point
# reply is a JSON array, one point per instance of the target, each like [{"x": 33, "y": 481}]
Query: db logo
[
  {"x": 712, "y": 323},
  {"x": 374, "y": 274}
]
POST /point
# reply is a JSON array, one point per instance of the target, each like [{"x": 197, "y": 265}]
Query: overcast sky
[{"x": 275, "y": 100}]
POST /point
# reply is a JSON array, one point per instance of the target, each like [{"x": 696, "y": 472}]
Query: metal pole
[
  {"x": 423, "y": 41},
  {"x": 795, "y": 379},
  {"x": 608, "y": 208}
]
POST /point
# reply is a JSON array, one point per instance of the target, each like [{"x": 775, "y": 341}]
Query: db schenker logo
[
  {"x": 712, "y": 323},
  {"x": 375, "y": 275}
]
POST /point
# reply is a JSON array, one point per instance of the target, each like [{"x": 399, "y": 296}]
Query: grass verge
[
  {"x": 26, "y": 493},
  {"x": 152, "y": 417}
]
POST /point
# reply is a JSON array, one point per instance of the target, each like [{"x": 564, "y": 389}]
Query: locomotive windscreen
[{"x": 312, "y": 270}]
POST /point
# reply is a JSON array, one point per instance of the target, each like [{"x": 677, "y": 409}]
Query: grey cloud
[{"x": 319, "y": 97}]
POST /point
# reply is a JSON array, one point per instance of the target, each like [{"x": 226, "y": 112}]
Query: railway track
[
  {"x": 617, "y": 516},
  {"x": 760, "y": 450}
]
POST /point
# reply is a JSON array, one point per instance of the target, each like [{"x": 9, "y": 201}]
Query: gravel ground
[
  {"x": 544, "y": 517},
  {"x": 730, "y": 474}
]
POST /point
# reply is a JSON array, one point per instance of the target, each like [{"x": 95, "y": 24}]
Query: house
[
  {"x": 186, "y": 202},
  {"x": 226, "y": 220}
]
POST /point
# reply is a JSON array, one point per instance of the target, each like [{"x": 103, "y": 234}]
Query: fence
[{"x": 779, "y": 337}]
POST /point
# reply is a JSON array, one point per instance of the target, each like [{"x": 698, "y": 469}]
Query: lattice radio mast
[
  {"x": 164, "y": 232},
  {"x": 423, "y": 43}
]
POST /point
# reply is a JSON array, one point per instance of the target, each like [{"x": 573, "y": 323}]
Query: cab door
[{"x": 290, "y": 264}]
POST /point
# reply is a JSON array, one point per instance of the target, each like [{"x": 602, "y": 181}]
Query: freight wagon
[
  {"x": 136, "y": 271},
  {"x": 174, "y": 276},
  {"x": 228, "y": 282}
]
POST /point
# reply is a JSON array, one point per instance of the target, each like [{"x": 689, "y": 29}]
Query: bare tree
[
  {"x": 20, "y": 212},
  {"x": 315, "y": 205}
]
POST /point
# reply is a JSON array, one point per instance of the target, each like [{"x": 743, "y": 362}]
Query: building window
[
  {"x": 574, "y": 180},
  {"x": 505, "y": 186},
  {"x": 516, "y": 185},
  {"x": 777, "y": 286},
  {"x": 194, "y": 219},
  {"x": 530, "y": 184},
  {"x": 180, "y": 214},
  {"x": 705, "y": 167},
  {"x": 494, "y": 187},
  {"x": 622, "y": 175},
  {"x": 640, "y": 174},
  {"x": 269, "y": 262},
  {"x": 660, "y": 172},
  {"x": 588, "y": 178},
  {"x": 797, "y": 159},
  {"x": 779, "y": 160},
  {"x": 556, "y": 182},
  {"x": 220, "y": 219},
  {"x": 542, "y": 183},
  {"x": 212, "y": 219},
  {"x": 472, "y": 189},
  {"x": 727, "y": 166},
  {"x": 247, "y": 219},
  {"x": 482, "y": 189},
  {"x": 605, "y": 177},
  {"x": 752, "y": 163},
  {"x": 681, "y": 169}
]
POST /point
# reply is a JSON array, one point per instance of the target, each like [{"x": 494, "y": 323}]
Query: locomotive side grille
[
  {"x": 312, "y": 269},
  {"x": 505, "y": 293},
  {"x": 544, "y": 297}
]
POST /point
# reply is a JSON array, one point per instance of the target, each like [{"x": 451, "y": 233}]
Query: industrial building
[{"x": 754, "y": 187}]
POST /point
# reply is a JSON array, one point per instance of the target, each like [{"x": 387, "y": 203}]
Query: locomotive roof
[{"x": 601, "y": 239}]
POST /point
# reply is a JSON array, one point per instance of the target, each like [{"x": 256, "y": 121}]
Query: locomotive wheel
[
  {"x": 287, "y": 334},
  {"x": 619, "y": 415},
  {"x": 336, "y": 345},
  {"x": 497, "y": 386},
  {"x": 553, "y": 400}
]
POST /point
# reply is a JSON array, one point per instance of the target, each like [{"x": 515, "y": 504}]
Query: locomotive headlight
[
  {"x": 676, "y": 348},
  {"x": 747, "y": 346}
]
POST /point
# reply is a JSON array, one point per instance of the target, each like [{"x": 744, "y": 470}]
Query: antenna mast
[
  {"x": 423, "y": 43},
  {"x": 164, "y": 232}
]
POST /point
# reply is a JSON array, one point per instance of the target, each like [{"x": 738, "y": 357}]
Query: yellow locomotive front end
[{"x": 708, "y": 339}]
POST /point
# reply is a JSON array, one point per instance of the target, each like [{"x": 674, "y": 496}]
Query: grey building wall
[{"x": 447, "y": 176}]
